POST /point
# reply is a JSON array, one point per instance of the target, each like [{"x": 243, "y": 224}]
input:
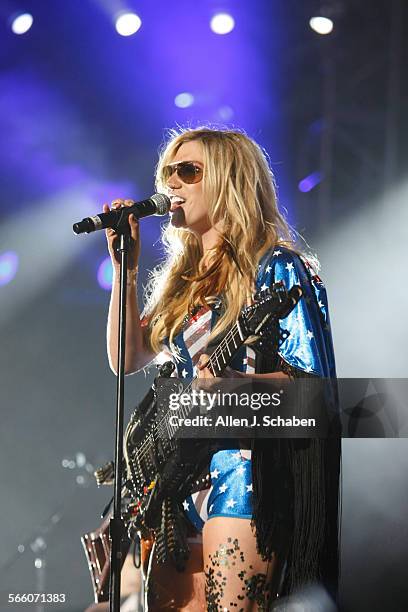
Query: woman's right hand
[{"x": 113, "y": 238}]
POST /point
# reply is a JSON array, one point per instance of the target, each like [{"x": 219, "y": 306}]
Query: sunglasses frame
[{"x": 170, "y": 169}]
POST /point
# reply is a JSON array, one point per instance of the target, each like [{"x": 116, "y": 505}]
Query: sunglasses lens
[
  {"x": 190, "y": 173},
  {"x": 186, "y": 171}
]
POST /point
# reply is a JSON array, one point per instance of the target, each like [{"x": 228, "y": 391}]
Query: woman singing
[{"x": 267, "y": 524}]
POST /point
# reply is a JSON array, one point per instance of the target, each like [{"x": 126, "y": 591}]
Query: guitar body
[{"x": 97, "y": 548}]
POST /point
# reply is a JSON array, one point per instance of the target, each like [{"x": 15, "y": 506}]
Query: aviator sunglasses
[{"x": 187, "y": 171}]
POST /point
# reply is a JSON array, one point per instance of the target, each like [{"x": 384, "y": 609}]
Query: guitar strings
[
  {"x": 163, "y": 426},
  {"x": 142, "y": 451}
]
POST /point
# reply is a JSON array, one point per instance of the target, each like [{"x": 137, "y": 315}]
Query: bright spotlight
[
  {"x": 8, "y": 266},
  {"x": 321, "y": 25},
  {"x": 128, "y": 24},
  {"x": 105, "y": 274},
  {"x": 22, "y": 23},
  {"x": 222, "y": 23},
  {"x": 184, "y": 100}
]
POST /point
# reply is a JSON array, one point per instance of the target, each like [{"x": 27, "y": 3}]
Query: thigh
[
  {"x": 167, "y": 589},
  {"x": 236, "y": 577}
]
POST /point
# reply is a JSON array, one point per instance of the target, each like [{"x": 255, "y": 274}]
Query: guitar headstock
[{"x": 271, "y": 304}]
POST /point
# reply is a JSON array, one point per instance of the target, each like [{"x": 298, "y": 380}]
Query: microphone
[{"x": 157, "y": 204}]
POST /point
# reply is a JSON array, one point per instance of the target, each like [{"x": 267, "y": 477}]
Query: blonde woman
[{"x": 267, "y": 524}]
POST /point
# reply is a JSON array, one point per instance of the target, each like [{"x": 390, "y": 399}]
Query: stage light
[
  {"x": 184, "y": 100},
  {"x": 321, "y": 25},
  {"x": 309, "y": 182},
  {"x": 225, "y": 113},
  {"x": 222, "y": 23},
  {"x": 128, "y": 24},
  {"x": 105, "y": 274},
  {"x": 22, "y": 23},
  {"x": 8, "y": 266}
]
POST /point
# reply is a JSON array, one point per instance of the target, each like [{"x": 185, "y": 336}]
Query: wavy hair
[{"x": 240, "y": 187}]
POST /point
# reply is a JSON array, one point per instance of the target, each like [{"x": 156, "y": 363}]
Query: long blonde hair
[{"x": 240, "y": 189}]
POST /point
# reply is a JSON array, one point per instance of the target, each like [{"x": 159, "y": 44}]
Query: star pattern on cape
[
  {"x": 309, "y": 334},
  {"x": 231, "y": 503},
  {"x": 289, "y": 266},
  {"x": 184, "y": 373},
  {"x": 264, "y": 287},
  {"x": 214, "y": 474},
  {"x": 186, "y": 505},
  {"x": 223, "y": 488},
  {"x": 277, "y": 253},
  {"x": 249, "y": 488}
]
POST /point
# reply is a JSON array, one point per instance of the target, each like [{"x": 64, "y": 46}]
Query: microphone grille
[{"x": 162, "y": 203}]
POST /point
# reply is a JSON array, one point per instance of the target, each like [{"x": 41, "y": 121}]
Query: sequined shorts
[{"x": 230, "y": 493}]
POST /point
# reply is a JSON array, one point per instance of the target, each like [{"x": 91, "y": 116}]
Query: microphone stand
[{"x": 117, "y": 526}]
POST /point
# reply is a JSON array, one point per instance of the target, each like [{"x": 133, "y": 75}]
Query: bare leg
[
  {"x": 236, "y": 576},
  {"x": 169, "y": 589}
]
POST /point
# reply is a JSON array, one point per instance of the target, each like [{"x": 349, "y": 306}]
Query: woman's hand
[
  {"x": 112, "y": 237},
  {"x": 204, "y": 372}
]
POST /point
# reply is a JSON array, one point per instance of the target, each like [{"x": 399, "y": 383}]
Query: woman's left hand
[{"x": 204, "y": 372}]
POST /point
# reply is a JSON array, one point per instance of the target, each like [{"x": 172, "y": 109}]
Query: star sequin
[
  {"x": 309, "y": 334},
  {"x": 186, "y": 505},
  {"x": 321, "y": 304},
  {"x": 231, "y": 503},
  {"x": 264, "y": 287},
  {"x": 184, "y": 373},
  {"x": 308, "y": 369},
  {"x": 276, "y": 253},
  {"x": 249, "y": 488},
  {"x": 289, "y": 266},
  {"x": 268, "y": 269},
  {"x": 215, "y": 473},
  {"x": 223, "y": 488}
]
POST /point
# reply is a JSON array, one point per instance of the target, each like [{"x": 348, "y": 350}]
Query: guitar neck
[
  {"x": 226, "y": 350},
  {"x": 218, "y": 361}
]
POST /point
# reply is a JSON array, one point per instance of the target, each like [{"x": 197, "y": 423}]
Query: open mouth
[
  {"x": 176, "y": 202},
  {"x": 177, "y": 215}
]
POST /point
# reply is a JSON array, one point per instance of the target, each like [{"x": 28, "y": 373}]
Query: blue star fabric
[
  {"x": 231, "y": 491},
  {"x": 309, "y": 346}
]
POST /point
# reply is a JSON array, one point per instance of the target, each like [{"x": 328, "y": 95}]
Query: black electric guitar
[{"x": 160, "y": 472}]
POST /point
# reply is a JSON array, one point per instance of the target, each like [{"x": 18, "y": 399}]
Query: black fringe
[{"x": 296, "y": 495}]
